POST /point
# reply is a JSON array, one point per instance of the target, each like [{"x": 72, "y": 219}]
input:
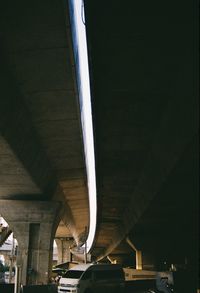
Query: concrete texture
[
  {"x": 41, "y": 149},
  {"x": 34, "y": 225},
  {"x": 63, "y": 246}
]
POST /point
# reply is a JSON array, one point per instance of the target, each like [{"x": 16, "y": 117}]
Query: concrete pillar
[
  {"x": 138, "y": 254},
  {"x": 63, "y": 246},
  {"x": 138, "y": 259},
  {"x": 145, "y": 260},
  {"x": 34, "y": 225}
]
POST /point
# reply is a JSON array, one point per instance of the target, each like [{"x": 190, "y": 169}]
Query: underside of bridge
[
  {"x": 41, "y": 148},
  {"x": 142, "y": 57},
  {"x": 143, "y": 75}
]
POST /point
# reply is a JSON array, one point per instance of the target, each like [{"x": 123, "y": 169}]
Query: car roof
[
  {"x": 80, "y": 267},
  {"x": 84, "y": 267}
]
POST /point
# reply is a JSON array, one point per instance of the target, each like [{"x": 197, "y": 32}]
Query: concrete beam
[
  {"x": 17, "y": 129},
  {"x": 138, "y": 254},
  {"x": 178, "y": 127},
  {"x": 39, "y": 112}
]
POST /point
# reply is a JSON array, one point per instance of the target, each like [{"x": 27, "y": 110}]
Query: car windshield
[{"x": 73, "y": 274}]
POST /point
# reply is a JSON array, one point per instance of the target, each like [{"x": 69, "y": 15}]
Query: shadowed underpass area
[{"x": 143, "y": 82}]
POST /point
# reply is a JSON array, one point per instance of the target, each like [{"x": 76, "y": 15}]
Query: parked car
[{"x": 93, "y": 278}]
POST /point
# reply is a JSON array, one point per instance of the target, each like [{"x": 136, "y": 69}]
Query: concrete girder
[
  {"x": 178, "y": 127},
  {"x": 18, "y": 134},
  {"x": 25, "y": 169},
  {"x": 142, "y": 66},
  {"x": 39, "y": 109}
]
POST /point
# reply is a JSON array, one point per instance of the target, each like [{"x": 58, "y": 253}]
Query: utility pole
[
  {"x": 11, "y": 259},
  {"x": 17, "y": 287},
  {"x": 85, "y": 250}
]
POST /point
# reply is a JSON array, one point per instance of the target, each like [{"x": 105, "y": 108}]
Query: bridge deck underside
[{"x": 143, "y": 80}]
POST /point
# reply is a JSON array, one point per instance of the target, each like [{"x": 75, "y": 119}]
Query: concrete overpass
[
  {"x": 42, "y": 158},
  {"x": 142, "y": 59},
  {"x": 144, "y": 88}
]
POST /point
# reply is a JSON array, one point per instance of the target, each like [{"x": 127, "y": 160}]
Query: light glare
[{"x": 86, "y": 118}]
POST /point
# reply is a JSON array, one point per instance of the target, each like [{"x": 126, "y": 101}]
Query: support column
[
  {"x": 138, "y": 254},
  {"x": 138, "y": 259},
  {"x": 34, "y": 225},
  {"x": 63, "y": 246},
  {"x": 145, "y": 260}
]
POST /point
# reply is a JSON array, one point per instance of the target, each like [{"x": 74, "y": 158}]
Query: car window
[
  {"x": 87, "y": 275},
  {"x": 73, "y": 274}
]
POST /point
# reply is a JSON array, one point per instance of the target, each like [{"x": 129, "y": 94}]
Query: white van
[{"x": 93, "y": 278}]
